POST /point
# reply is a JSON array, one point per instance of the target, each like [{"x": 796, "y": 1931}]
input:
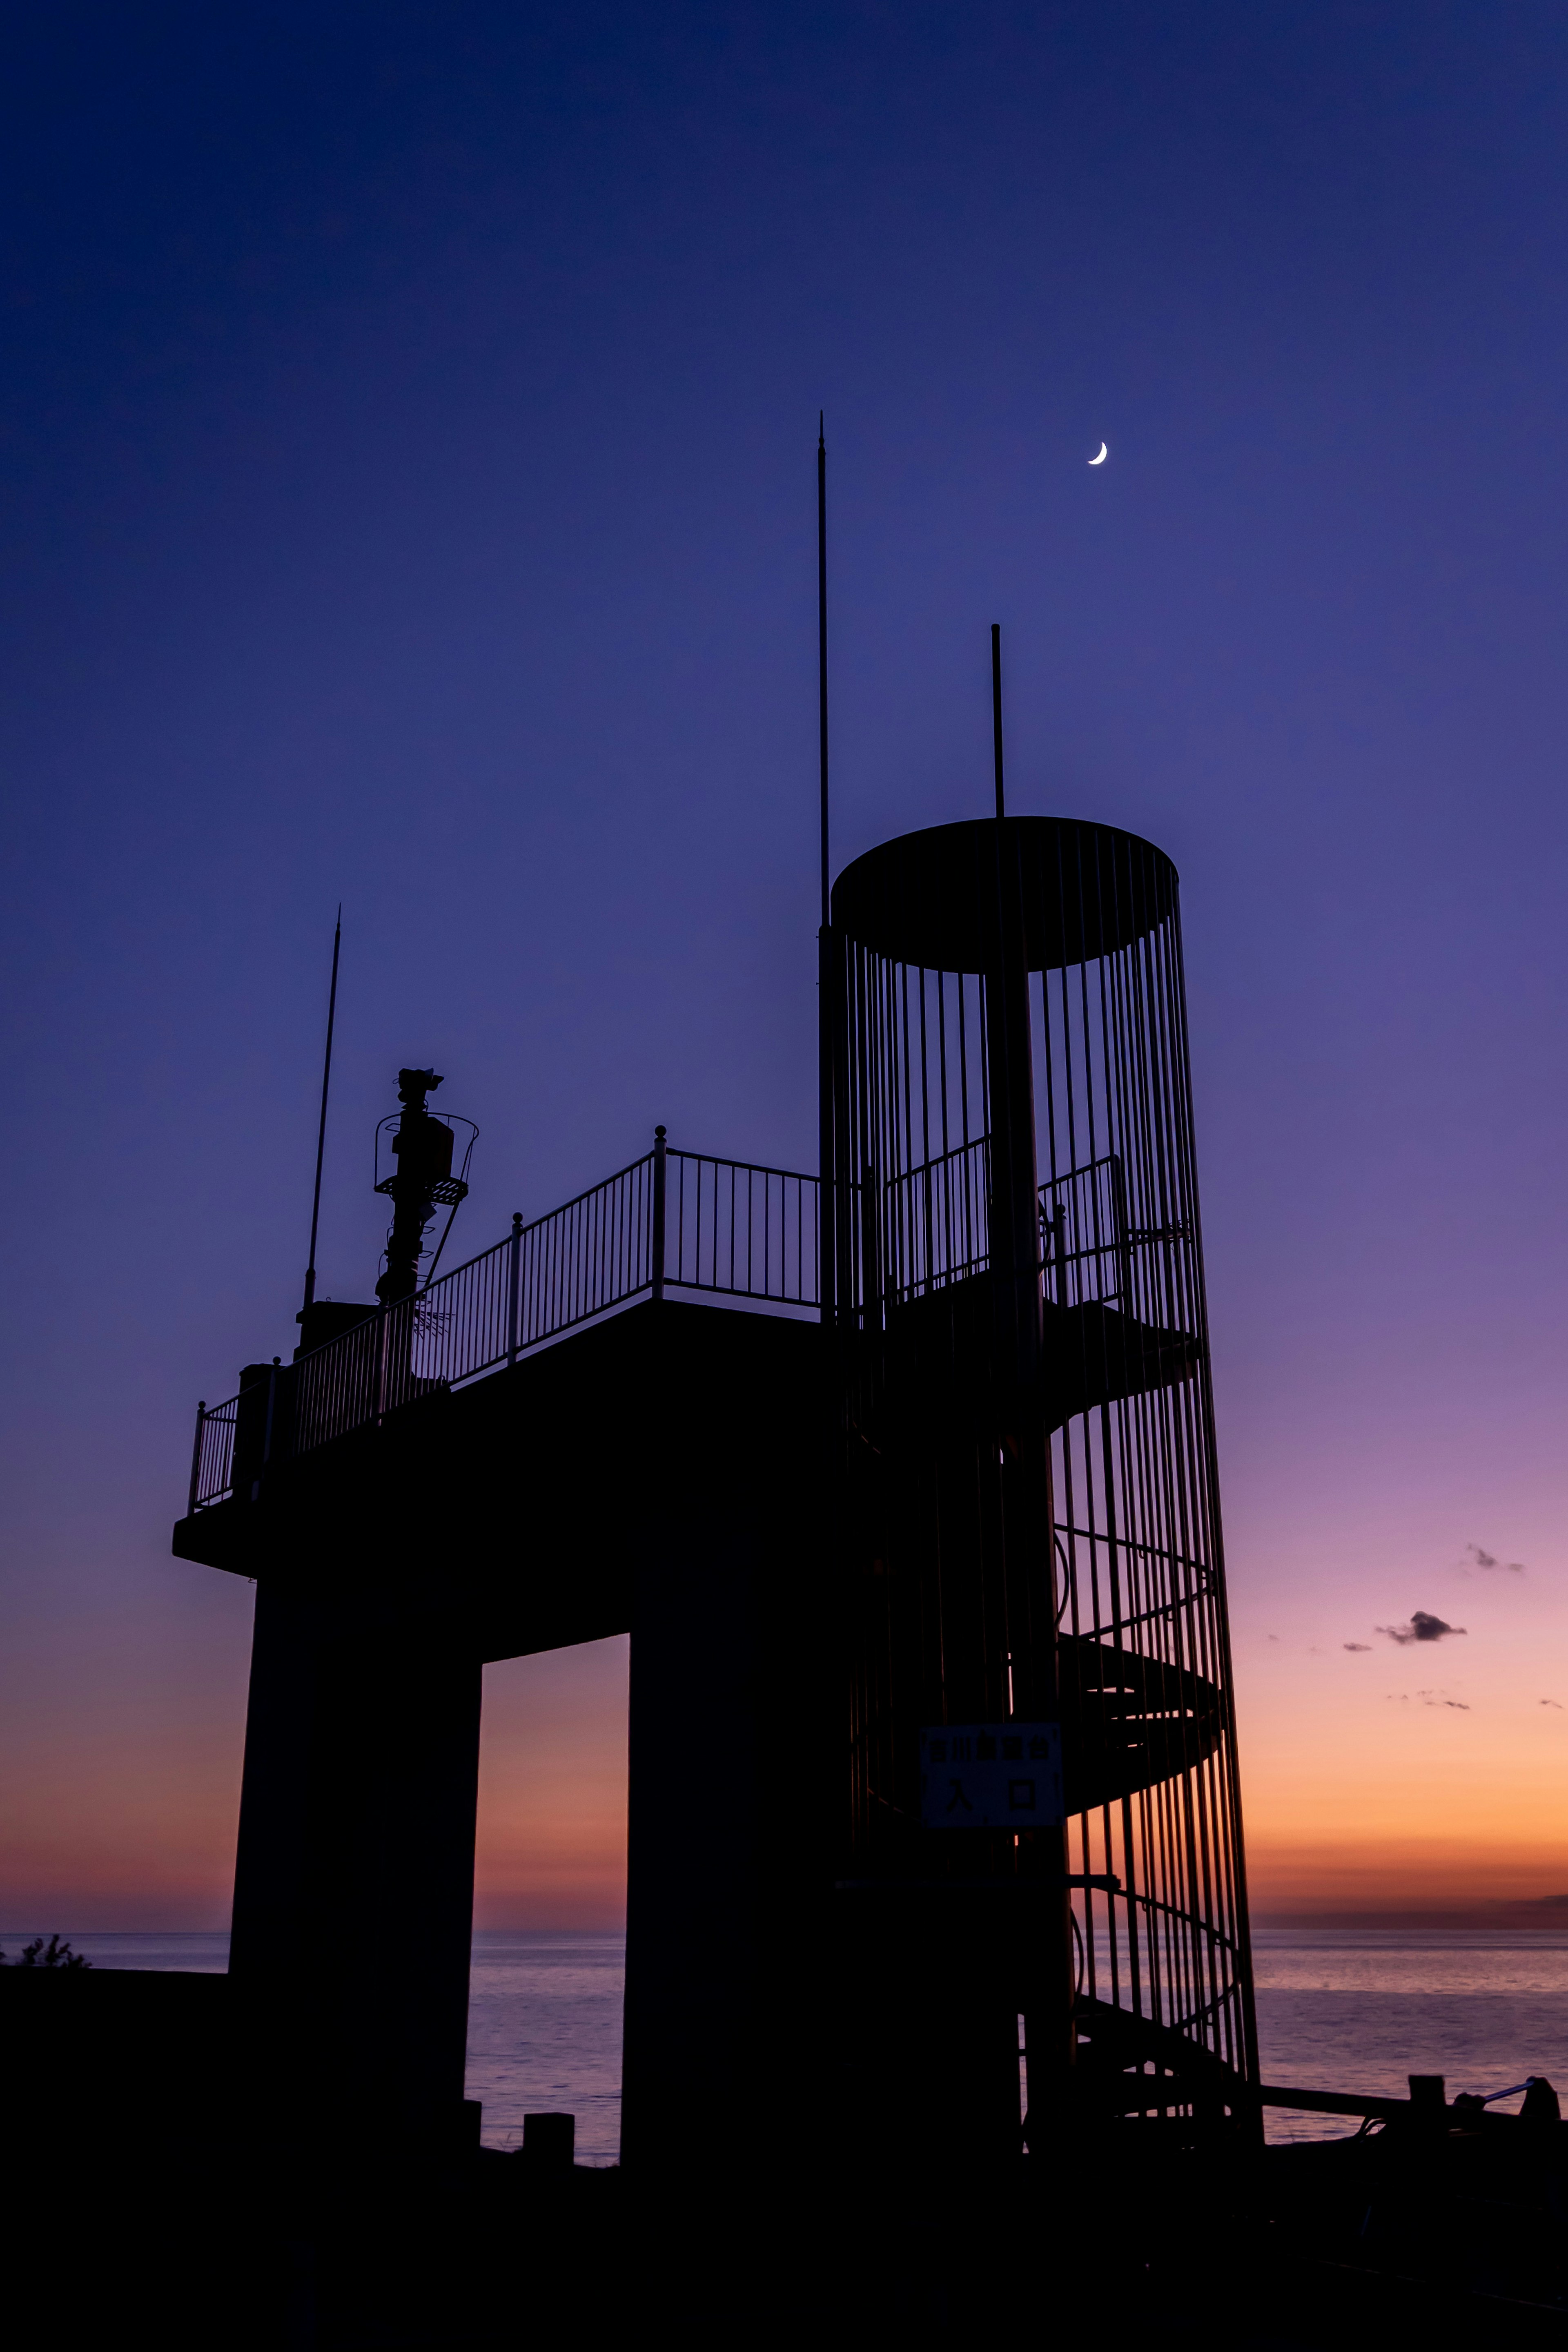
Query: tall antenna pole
[
  {"x": 827, "y": 987},
  {"x": 996, "y": 708},
  {"x": 822, "y": 638},
  {"x": 322, "y": 1131}
]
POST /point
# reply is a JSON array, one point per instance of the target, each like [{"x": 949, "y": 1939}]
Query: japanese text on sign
[{"x": 991, "y": 1776}]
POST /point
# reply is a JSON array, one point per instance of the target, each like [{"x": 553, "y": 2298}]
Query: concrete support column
[
  {"x": 730, "y": 1822},
  {"x": 354, "y": 1879},
  {"x": 692, "y": 1924}
]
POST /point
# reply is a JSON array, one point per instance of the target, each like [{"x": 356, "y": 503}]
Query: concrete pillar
[
  {"x": 730, "y": 1813},
  {"x": 692, "y": 1829},
  {"x": 354, "y": 1878}
]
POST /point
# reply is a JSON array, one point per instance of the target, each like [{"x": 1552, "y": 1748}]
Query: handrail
[
  {"x": 672, "y": 1219},
  {"x": 1089, "y": 1204},
  {"x": 936, "y": 1222},
  {"x": 930, "y": 1227},
  {"x": 756, "y": 1234},
  {"x": 1448, "y": 2115}
]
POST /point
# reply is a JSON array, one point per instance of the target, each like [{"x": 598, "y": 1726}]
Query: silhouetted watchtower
[{"x": 902, "y": 1480}]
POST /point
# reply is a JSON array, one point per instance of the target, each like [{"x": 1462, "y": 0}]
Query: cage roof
[{"x": 938, "y": 897}]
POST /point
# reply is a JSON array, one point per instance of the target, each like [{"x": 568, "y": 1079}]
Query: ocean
[
  {"x": 1338, "y": 2010},
  {"x": 1361, "y": 2010}
]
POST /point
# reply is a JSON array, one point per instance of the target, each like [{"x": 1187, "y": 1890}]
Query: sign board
[{"x": 991, "y": 1776}]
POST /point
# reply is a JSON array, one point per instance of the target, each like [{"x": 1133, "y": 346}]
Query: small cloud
[
  {"x": 1553, "y": 1702},
  {"x": 1359, "y": 1646},
  {"x": 1423, "y": 1627},
  {"x": 1489, "y": 1559},
  {"x": 1273, "y": 1637},
  {"x": 1440, "y": 1698}
]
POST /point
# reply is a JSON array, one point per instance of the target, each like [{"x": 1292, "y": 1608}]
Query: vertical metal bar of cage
[
  {"x": 870, "y": 1282},
  {"x": 1206, "y": 1390}
]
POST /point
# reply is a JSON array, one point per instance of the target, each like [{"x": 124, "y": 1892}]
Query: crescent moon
[{"x": 1100, "y": 460}]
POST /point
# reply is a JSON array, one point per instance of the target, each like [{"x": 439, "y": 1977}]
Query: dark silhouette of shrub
[{"x": 51, "y": 1955}]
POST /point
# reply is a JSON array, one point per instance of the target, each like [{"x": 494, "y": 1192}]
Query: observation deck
[
  {"x": 671, "y": 1222},
  {"x": 683, "y": 1225}
]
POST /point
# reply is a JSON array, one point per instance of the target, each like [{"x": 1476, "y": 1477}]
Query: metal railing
[
  {"x": 673, "y": 1220},
  {"x": 935, "y": 1223},
  {"x": 932, "y": 1228},
  {"x": 750, "y": 1233},
  {"x": 1087, "y": 1240},
  {"x": 935, "y": 1228}
]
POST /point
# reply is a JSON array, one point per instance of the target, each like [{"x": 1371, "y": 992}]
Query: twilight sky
[{"x": 408, "y": 443}]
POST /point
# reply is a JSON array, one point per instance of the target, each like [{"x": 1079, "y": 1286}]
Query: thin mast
[
  {"x": 322, "y": 1131},
  {"x": 822, "y": 640},
  {"x": 996, "y": 708},
  {"x": 827, "y": 989}
]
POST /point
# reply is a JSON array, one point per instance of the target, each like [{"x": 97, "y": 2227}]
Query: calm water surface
[
  {"x": 1360, "y": 2011},
  {"x": 1337, "y": 2011},
  {"x": 544, "y": 2030}
]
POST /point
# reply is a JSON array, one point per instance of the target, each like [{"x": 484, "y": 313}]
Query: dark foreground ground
[
  {"x": 1458, "y": 2241},
  {"x": 141, "y": 2209}
]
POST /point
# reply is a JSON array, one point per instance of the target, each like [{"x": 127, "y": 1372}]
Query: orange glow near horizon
[
  {"x": 1383, "y": 1778},
  {"x": 1389, "y": 1776},
  {"x": 551, "y": 1850}
]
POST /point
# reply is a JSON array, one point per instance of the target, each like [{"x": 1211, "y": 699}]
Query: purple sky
[{"x": 408, "y": 420}]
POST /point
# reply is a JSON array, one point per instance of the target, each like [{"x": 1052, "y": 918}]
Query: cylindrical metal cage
[{"x": 1033, "y": 1507}]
